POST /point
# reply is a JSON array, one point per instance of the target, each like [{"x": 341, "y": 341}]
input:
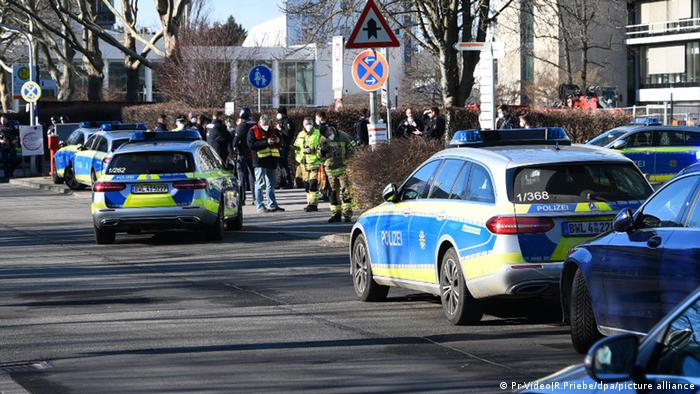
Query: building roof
[{"x": 272, "y": 33}]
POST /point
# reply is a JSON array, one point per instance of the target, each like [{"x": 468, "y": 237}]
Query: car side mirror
[
  {"x": 390, "y": 193},
  {"x": 80, "y": 147},
  {"x": 61, "y": 144},
  {"x": 679, "y": 339},
  {"x": 619, "y": 144},
  {"x": 624, "y": 221},
  {"x": 613, "y": 359}
]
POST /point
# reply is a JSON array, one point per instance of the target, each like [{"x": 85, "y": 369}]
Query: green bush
[{"x": 370, "y": 170}]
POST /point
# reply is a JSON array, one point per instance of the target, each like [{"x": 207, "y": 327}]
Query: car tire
[
  {"x": 71, "y": 182},
  {"x": 459, "y": 306},
  {"x": 215, "y": 232},
  {"x": 584, "y": 329},
  {"x": 104, "y": 237},
  {"x": 57, "y": 180},
  {"x": 361, "y": 272},
  {"x": 236, "y": 223}
]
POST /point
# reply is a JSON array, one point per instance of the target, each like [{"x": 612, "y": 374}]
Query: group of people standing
[
  {"x": 430, "y": 125},
  {"x": 260, "y": 150},
  {"x": 9, "y": 142},
  {"x": 505, "y": 120}
]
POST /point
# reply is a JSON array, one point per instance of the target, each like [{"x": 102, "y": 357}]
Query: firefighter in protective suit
[
  {"x": 306, "y": 148},
  {"x": 335, "y": 149}
]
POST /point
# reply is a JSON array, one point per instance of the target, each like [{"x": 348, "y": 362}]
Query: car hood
[{"x": 568, "y": 380}]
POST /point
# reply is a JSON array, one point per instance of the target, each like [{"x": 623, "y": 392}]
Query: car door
[
  {"x": 392, "y": 226},
  {"x": 100, "y": 151},
  {"x": 82, "y": 163},
  {"x": 633, "y": 262},
  {"x": 430, "y": 216},
  {"x": 639, "y": 149}
]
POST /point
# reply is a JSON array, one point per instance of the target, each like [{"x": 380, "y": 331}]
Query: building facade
[{"x": 664, "y": 41}]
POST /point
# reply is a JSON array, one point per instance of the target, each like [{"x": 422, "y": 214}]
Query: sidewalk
[{"x": 41, "y": 183}]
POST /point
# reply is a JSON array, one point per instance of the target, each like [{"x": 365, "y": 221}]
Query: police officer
[
  {"x": 264, "y": 144},
  {"x": 285, "y": 130},
  {"x": 335, "y": 148},
  {"x": 218, "y": 137},
  {"x": 244, "y": 158},
  {"x": 306, "y": 148},
  {"x": 8, "y": 146}
]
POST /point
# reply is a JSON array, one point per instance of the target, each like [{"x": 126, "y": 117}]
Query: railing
[
  {"x": 677, "y": 26},
  {"x": 682, "y": 114}
]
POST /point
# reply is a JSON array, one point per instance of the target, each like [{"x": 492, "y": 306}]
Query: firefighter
[
  {"x": 306, "y": 148},
  {"x": 335, "y": 148}
]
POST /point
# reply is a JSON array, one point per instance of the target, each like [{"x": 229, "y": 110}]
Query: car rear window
[
  {"x": 151, "y": 163},
  {"x": 75, "y": 138},
  {"x": 606, "y": 138},
  {"x": 117, "y": 143},
  {"x": 578, "y": 182}
]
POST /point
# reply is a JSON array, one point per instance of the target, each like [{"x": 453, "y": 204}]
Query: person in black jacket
[
  {"x": 435, "y": 128},
  {"x": 218, "y": 137},
  {"x": 162, "y": 123},
  {"x": 410, "y": 125},
  {"x": 8, "y": 146},
  {"x": 361, "y": 132},
  {"x": 244, "y": 159},
  {"x": 504, "y": 119},
  {"x": 285, "y": 130}
]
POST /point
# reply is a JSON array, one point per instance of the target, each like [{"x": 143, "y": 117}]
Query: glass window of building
[
  {"x": 296, "y": 84},
  {"x": 677, "y": 65}
]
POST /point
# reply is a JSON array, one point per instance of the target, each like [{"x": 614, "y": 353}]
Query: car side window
[
  {"x": 90, "y": 142},
  {"x": 101, "y": 144},
  {"x": 692, "y": 138},
  {"x": 204, "y": 163},
  {"x": 669, "y": 138},
  {"x": 667, "y": 207},
  {"x": 416, "y": 186},
  {"x": 480, "y": 186},
  {"x": 459, "y": 190},
  {"x": 214, "y": 158},
  {"x": 443, "y": 182},
  {"x": 679, "y": 353},
  {"x": 640, "y": 139},
  {"x": 694, "y": 216}
]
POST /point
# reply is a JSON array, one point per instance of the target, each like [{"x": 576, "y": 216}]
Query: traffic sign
[
  {"x": 337, "y": 67},
  {"x": 20, "y": 75},
  {"x": 260, "y": 76},
  {"x": 31, "y": 91},
  {"x": 372, "y": 30},
  {"x": 493, "y": 49},
  {"x": 370, "y": 70}
]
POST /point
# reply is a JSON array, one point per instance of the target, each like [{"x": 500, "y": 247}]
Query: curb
[
  {"x": 337, "y": 239},
  {"x": 60, "y": 189}
]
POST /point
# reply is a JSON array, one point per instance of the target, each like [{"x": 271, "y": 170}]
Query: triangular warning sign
[{"x": 371, "y": 30}]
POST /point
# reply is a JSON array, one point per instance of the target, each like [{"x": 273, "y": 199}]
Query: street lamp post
[{"x": 31, "y": 63}]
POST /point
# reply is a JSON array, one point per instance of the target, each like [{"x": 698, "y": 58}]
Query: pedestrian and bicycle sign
[
  {"x": 372, "y": 30},
  {"x": 31, "y": 92},
  {"x": 370, "y": 70},
  {"x": 260, "y": 77}
]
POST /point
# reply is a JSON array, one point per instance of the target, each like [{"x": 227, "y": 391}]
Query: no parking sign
[{"x": 370, "y": 70}]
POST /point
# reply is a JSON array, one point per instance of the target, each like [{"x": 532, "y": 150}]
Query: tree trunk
[
  {"x": 5, "y": 98},
  {"x": 132, "y": 83},
  {"x": 66, "y": 82},
  {"x": 94, "y": 66}
]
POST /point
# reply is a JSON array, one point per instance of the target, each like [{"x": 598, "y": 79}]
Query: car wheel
[
  {"x": 361, "y": 270},
  {"x": 236, "y": 223},
  {"x": 71, "y": 182},
  {"x": 57, "y": 180},
  {"x": 584, "y": 329},
  {"x": 104, "y": 237},
  {"x": 215, "y": 232},
  {"x": 458, "y": 304}
]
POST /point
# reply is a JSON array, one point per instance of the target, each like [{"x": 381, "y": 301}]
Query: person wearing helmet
[{"x": 244, "y": 158}]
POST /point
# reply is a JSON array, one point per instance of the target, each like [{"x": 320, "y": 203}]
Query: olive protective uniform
[
  {"x": 336, "y": 147},
  {"x": 306, "y": 148}
]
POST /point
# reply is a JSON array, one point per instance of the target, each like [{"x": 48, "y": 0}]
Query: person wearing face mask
[
  {"x": 285, "y": 130},
  {"x": 306, "y": 154},
  {"x": 265, "y": 146},
  {"x": 410, "y": 125},
  {"x": 335, "y": 149}
]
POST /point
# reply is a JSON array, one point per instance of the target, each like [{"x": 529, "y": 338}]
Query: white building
[{"x": 664, "y": 37}]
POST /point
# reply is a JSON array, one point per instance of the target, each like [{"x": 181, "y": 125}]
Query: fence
[{"x": 668, "y": 113}]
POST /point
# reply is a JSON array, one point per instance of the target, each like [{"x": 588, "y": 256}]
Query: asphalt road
[{"x": 269, "y": 309}]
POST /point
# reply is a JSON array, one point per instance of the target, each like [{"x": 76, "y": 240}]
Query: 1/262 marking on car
[
  {"x": 586, "y": 228},
  {"x": 149, "y": 188}
]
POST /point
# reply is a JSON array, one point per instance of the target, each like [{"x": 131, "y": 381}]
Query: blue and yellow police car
[
  {"x": 495, "y": 217},
  {"x": 165, "y": 180},
  {"x": 659, "y": 151},
  {"x": 77, "y": 141},
  {"x": 91, "y": 158}
]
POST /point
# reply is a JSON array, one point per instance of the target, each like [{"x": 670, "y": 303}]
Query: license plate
[
  {"x": 149, "y": 188},
  {"x": 586, "y": 228}
]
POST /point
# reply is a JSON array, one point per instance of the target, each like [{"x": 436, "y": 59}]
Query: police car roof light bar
[
  {"x": 537, "y": 136},
  {"x": 128, "y": 126},
  {"x": 185, "y": 135}
]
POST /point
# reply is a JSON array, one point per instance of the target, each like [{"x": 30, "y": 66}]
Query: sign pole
[
  {"x": 259, "y": 106},
  {"x": 388, "y": 100}
]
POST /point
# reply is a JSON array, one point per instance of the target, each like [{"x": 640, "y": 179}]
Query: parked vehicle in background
[
  {"x": 91, "y": 158},
  {"x": 627, "y": 279}
]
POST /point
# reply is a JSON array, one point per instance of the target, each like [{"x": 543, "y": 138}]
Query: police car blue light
[
  {"x": 121, "y": 126},
  {"x": 476, "y": 138},
  {"x": 165, "y": 135}
]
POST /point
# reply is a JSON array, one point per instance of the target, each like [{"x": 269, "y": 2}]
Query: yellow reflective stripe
[
  {"x": 475, "y": 267},
  {"x": 586, "y": 207},
  {"x": 208, "y": 204},
  {"x": 670, "y": 149},
  {"x": 660, "y": 178},
  {"x": 149, "y": 201},
  {"x": 417, "y": 274}
]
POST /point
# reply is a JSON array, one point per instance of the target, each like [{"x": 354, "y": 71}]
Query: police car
[
  {"x": 78, "y": 141},
  {"x": 496, "y": 217},
  {"x": 659, "y": 151},
  {"x": 90, "y": 159},
  {"x": 165, "y": 180}
]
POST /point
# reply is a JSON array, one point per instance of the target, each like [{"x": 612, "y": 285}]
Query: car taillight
[
  {"x": 108, "y": 187},
  {"x": 191, "y": 184},
  {"x": 519, "y": 225}
]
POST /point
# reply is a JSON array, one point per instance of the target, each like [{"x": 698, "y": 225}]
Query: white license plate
[
  {"x": 149, "y": 188},
  {"x": 586, "y": 228}
]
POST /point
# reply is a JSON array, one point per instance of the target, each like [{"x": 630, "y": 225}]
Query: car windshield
[
  {"x": 607, "y": 137},
  {"x": 151, "y": 163},
  {"x": 117, "y": 143},
  {"x": 75, "y": 138},
  {"x": 578, "y": 182}
]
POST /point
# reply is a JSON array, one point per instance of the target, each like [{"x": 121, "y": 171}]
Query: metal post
[
  {"x": 671, "y": 108},
  {"x": 259, "y": 98},
  {"x": 665, "y": 113},
  {"x": 373, "y": 107},
  {"x": 388, "y": 97}
]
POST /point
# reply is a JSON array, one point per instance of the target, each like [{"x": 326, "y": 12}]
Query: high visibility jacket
[
  {"x": 312, "y": 139},
  {"x": 335, "y": 153},
  {"x": 264, "y": 154}
]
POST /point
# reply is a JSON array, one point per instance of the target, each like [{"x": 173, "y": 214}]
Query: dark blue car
[
  {"x": 626, "y": 280},
  {"x": 667, "y": 360}
]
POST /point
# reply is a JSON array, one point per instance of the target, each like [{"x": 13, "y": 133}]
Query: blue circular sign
[{"x": 260, "y": 77}]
